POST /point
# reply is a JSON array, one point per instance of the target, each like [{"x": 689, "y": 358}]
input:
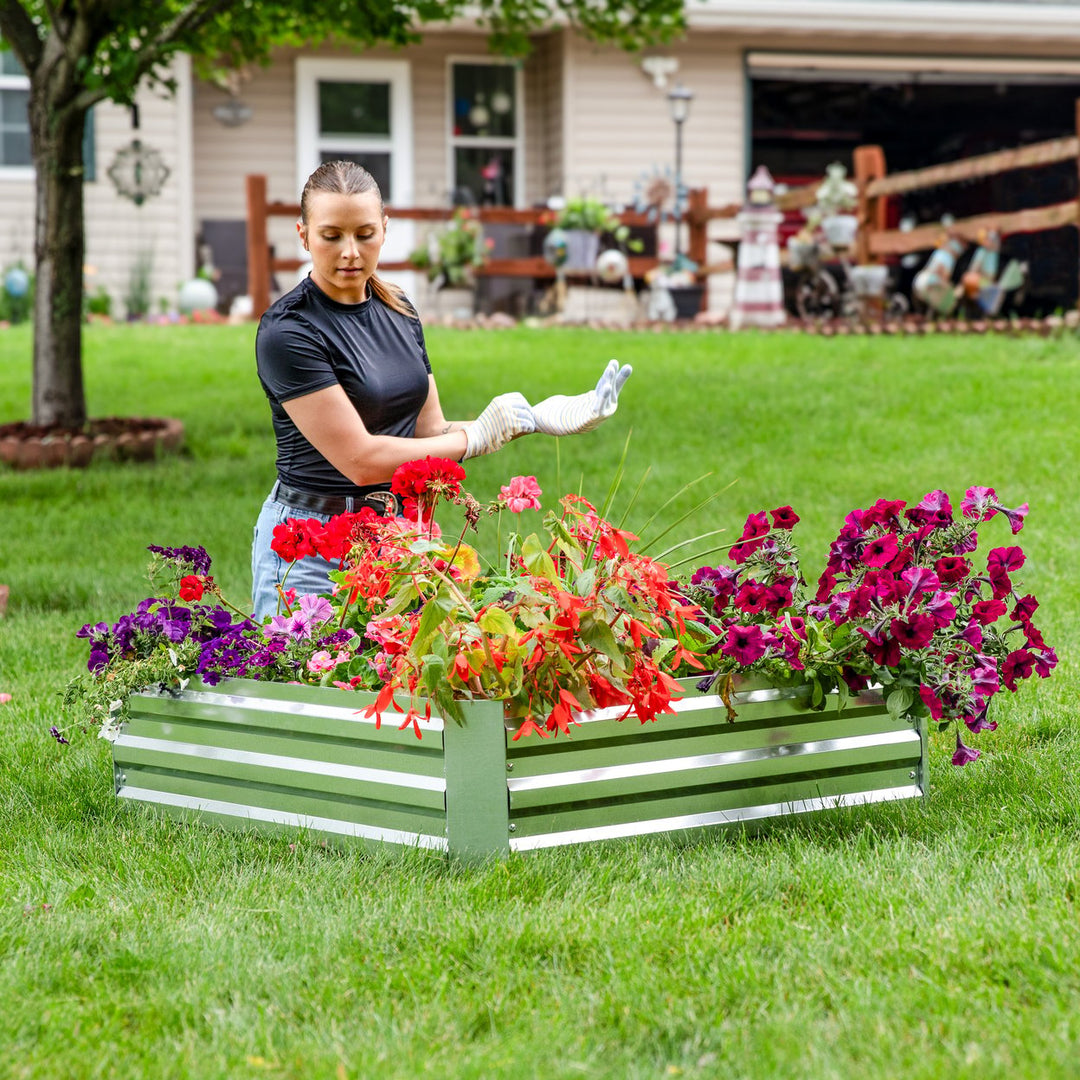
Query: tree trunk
[{"x": 56, "y": 134}]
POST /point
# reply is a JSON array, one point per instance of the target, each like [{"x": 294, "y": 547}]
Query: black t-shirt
[{"x": 306, "y": 342}]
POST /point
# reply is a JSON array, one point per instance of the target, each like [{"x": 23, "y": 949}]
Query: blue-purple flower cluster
[
  {"x": 228, "y": 646},
  {"x": 194, "y": 558}
]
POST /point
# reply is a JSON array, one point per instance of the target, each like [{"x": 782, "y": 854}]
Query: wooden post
[
  {"x": 697, "y": 207},
  {"x": 1078, "y": 196},
  {"x": 258, "y": 246},
  {"x": 869, "y": 165}
]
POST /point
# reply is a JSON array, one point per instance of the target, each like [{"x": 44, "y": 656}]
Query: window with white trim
[
  {"x": 357, "y": 110},
  {"x": 14, "y": 122},
  {"x": 485, "y": 132},
  {"x": 15, "y": 157}
]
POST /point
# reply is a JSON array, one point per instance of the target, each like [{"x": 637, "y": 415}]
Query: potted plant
[
  {"x": 418, "y": 702},
  {"x": 836, "y": 198},
  {"x": 451, "y": 258},
  {"x": 584, "y": 220}
]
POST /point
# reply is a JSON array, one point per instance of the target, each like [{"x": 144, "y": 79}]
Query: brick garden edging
[{"x": 123, "y": 438}]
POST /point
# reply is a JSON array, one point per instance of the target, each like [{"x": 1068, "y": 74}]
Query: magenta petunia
[
  {"x": 931, "y": 701},
  {"x": 972, "y": 634},
  {"x": 934, "y": 509},
  {"x": 978, "y": 503},
  {"x": 1045, "y": 661},
  {"x": 783, "y": 517},
  {"x": 952, "y": 568},
  {"x": 920, "y": 579},
  {"x": 1019, "y": 664},
  {"x": 987, "y": 611},
  {"x": 940, "y": 608},
  {"x": 964, "y": 755},
  {"x": 746, "y": 644},
  {"x": 1008, "y": 558},
  {"x": 756, "y": 525},
  {"x": 881, "y": 551},
  {"x": 1024, "y": 609},
  {"x": 913, "y": 633},
  {"x": 882, "y": 649},
  {"x": 884, "y": 512}
]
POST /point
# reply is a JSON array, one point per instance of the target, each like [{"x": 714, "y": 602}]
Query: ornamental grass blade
[
  {"x": 634, "y": 497},
  {"x": 690, "y": 513},
  {"x": 693, "y": 540},
  {"x": 686, "y": 487}
]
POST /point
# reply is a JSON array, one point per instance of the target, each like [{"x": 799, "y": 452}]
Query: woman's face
[{"x": 344, "y": 235}]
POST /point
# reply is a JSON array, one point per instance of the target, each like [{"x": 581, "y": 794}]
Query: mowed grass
[{"x": 936, "y": 940}]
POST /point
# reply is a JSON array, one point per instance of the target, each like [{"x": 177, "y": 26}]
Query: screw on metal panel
[
  {"x": 911, "y": 775},
  {"x": 509, "y": 766},
  {"x": 513, "y": 827}
]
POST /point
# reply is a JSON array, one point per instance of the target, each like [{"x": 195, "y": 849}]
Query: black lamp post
[{"x": 679, "y": 98}]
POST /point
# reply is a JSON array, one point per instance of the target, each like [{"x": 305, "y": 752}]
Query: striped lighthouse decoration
[{"x": 759, "y": 286}]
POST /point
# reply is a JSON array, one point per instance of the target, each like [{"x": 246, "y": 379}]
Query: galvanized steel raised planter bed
[{"x": 256, "y": 754}]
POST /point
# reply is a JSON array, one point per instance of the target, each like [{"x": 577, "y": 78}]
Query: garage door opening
[{"x": 810, "y": 111}]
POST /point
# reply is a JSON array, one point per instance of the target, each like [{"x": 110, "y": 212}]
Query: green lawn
[{"x": 936, "y": 940}]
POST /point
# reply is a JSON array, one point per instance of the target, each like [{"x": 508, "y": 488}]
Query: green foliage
[
  {"x": 594, "y": 215},
  {"x": 137, "y": 299},
  {"x": 453, "y": 254}
]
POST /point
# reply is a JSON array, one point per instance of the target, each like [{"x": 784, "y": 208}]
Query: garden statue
[
  {"x": 982, "y": 289},
  {"x": 933, "y": 284},
  {"x": 759, "y": 287}
]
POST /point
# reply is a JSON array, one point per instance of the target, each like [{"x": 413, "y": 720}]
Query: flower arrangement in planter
[
  {"x": 453, "y": 255},
  {"x": 573, "y": 619},
  {"x": 770, "y": 701}
]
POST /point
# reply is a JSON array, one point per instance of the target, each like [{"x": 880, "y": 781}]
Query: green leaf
[
  {"x": 898, "y": 702},
  {"x": 434, "y": 673},
  {"x": 537, "y": 560},
  {"x": 436, "y": 611},
  {"x": 497, "y": 621},
  {"x": 598, "y": 635}
]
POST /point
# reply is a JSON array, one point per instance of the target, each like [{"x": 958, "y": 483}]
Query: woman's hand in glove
[
  {"x": 562, "y": 415},
  {"x": 505, "y": 418}
]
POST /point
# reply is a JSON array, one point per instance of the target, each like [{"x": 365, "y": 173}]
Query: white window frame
[
  {"x": 502, "y": 142},
  {"x": 16, "y": 172},
  {"x": 399, "y": 144}
]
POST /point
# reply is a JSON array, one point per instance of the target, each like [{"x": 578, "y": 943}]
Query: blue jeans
[{"x": 307, "y": 575}]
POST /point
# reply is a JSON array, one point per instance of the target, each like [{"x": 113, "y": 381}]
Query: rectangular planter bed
[{"x": 256, "y": 754}]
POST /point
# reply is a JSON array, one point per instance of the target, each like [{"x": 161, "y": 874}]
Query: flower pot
[
  {"x": 249, "y": 754},
  {"x": 801, "y": 253},
  {"x": 687, "y": 300},
  {"x": 869, "y": 281},
  {"x": 840, "y": 229},
  {"x": 582, "y": 251},
  {"x": 455, "y": 302}
]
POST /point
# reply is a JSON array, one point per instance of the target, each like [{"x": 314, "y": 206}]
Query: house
[{"x": 792, "y": 84}]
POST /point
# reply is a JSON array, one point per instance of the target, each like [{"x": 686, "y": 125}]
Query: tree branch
[{"x": 19, "y": 31}]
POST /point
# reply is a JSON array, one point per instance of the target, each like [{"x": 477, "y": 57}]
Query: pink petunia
[
  {"x": 913, "y": 633},
  {"x": 746, "y": 644},
  {"x": 522, "y": 493}
]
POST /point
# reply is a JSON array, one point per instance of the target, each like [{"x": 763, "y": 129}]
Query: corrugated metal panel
[
  {"x": 698, "y": 769},
  {"x": 248, "y": 753}
]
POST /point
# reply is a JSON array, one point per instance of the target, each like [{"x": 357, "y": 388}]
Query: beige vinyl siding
[
  {"x": 544, "y": 119},
  {"x": 618, "y": 126},
  {"x": 116, "y": 229}
]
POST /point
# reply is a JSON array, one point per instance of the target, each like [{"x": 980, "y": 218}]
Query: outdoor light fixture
[{"x": 679, "y": 98}]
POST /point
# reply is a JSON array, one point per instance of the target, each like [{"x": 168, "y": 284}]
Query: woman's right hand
[{"x": 505, "y": 418}]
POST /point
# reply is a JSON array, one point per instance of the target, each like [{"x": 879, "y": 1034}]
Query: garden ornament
[
  {"x": 933, "y": 283},
  {"x": 759, "y": 287}
]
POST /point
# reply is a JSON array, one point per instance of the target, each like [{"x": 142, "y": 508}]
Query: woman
[{"x": 343, "y": 363}]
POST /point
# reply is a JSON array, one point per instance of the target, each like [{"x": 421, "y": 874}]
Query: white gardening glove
[
  {"x": 506, "y": 417},
  {"x": 562, "y": 415}
]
